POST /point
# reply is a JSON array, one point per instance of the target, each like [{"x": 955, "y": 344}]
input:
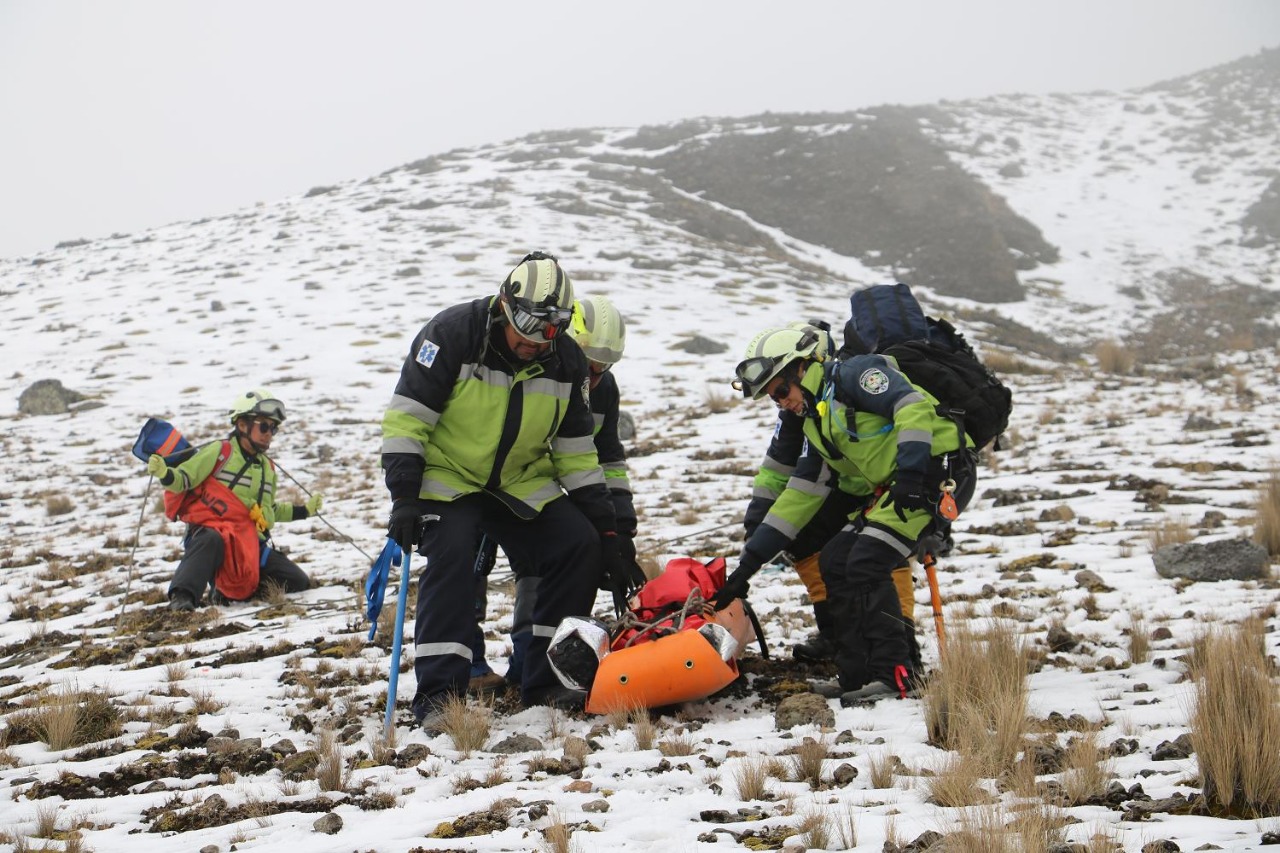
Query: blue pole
[{"x": 395, "y": 644}]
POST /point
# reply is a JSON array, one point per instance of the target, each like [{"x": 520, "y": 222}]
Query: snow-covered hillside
[{"x": 317, "y": 298}]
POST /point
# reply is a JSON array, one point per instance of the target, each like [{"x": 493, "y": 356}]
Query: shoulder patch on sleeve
[
  {"x": 586, "y": 392},
  {"x": 874, "y": 381},
  {"x": 427, "y": 353}
]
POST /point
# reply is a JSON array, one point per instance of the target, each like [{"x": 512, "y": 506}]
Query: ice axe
[{"x": 928, "y": 547}]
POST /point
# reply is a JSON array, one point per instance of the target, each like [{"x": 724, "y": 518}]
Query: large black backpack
[{"x": 887, "y": 319}]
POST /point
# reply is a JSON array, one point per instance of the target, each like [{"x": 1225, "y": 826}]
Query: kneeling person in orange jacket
[{"x": 226, "y": 492}]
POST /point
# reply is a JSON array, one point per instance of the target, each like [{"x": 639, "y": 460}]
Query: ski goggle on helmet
[
  {"x": 771, "y": 351},
  {"x": 537, "y": 298},
  {"x": 257, "y": 403}
]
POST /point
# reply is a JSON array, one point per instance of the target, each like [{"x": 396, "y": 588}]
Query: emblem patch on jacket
[
  {"x": 586, "y": 392},
  {"x": 874, "y": 381},
  {"x": 427, "y": 354}
]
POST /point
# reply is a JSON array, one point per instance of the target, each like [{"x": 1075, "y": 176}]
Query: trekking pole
[
  {"x": 306, "y": 492},
  {"x": 394, "y": 676},
  {"x": 137, "y": 532},
  {"x": 935, "y": 598}
]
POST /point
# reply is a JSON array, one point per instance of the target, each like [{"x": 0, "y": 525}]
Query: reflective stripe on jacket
[{"x": 464, "y": 419}]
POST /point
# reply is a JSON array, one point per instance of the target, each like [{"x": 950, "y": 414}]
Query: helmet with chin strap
[
  {"x": 537, "y": 298},
  {"x": 599, "y": 330},
  {"x": 769, "y": 353},
  {"x": 258, "y": 402}
]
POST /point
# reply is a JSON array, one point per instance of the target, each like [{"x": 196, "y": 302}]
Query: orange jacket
[{"x": 213, "y": 505}]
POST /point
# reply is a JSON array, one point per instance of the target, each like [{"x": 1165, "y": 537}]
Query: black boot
[
  {"x": 182, "y": 601},
  {"x": 821, "y": 646}
]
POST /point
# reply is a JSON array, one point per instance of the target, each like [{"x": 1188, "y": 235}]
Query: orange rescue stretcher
[{"x": 670, "y": 647}]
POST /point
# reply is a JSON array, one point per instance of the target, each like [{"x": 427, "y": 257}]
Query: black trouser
[
  {"x": 857, "y": 566},
  {"x": 203, "y": 557},
  {"x": 559, "y": 545}
]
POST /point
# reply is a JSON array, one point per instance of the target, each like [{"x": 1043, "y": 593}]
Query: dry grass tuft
[
  {"x": 203, "y": 701},
  {"x": 1266, "y": 529},
  {"x": 1170, "y": 531},
  {"x": 977, "y": 702},
  {"x": 679, "y": 743},
  {"x": 1084, "y": 774},
  {"x": 1139, "y": 638},
  {"x": 1235, "y": 727},
  {"x": 847, "y": 828},
  {"x": 331, "y": 772},
  {"x": 958, "y": 782},
  {"x": 751, "y": 778},
  {"x": 880, "y": 767},
  {"x": 643, "y": 728},
  {"x": 58, "y": 505},
  {"x": 1114, "y": 357},
  {"x": 467, "y": 726},
  {"x": 807, "y": 761},
  {"x": 558, "y": 836},
  {"x": 815, "y": 829}
]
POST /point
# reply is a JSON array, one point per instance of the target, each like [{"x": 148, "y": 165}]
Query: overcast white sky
[{"x": 119, "y": 116}]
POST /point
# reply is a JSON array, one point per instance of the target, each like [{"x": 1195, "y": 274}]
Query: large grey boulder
[
  {"x": 1224, "y": 559},
  {"x": 47, "y": 397}
]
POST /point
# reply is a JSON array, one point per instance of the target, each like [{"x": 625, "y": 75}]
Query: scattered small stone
[
  {"x": 1162, "y": 633},
  {"x": 1174, "y": 750},
  {"x": 595, "y": 806},
  {"x": 844, "y": 774},
  {"x": 1162, "y": 846},
  {"x": 330, "y": 824},
  {"x": 1059, "y": 639},
  {"x": 515, "y": 744},
  {"x": 1091, "y": 581}
]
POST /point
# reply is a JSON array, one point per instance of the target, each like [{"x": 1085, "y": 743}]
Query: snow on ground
[{"x": 317, "y": 298}]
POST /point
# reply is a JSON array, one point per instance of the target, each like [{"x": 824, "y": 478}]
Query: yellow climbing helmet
[
  {"x": 599, "y": 329},
  {"x": 257, "y": 402}
]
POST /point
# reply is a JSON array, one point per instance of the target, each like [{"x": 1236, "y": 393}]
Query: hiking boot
[
  {"x": 181, "y": 601},
  {"x": 814, "y": 650},
  {"x": 217, "y": 599},
  {"x": 903, "y": 686},
  {"x": 555, "y": 696},
  {"x": 868, "y": 694},
  {"x": 432, "y": 722},
  {"x": 486, "y": 685},
  {"x": 827, "y": 688}
]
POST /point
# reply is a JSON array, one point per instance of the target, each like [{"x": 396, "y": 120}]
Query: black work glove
[
  {"x": 617, "y": 576},
  {"x": 738, "y": 584},
  {"x": 908, "y": 492},
  {"x": 405, "y": 524},
  {"x": 627, "y": 548}
]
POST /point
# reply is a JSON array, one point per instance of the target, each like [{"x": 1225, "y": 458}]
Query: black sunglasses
[
  {"x": 781, "y": 393},
  {"x": 267, "y": 426}
]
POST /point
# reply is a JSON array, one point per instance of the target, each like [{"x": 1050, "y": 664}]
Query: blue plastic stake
[{"x": 395, "y": 644}]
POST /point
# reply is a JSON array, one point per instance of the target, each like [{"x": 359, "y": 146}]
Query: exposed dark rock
[
  {"x": 48, "y": 397},
  {"x": 698, "y": 345},
  {"x": 803, "y": 709},
  {"x": 1224, "y": 559}
]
